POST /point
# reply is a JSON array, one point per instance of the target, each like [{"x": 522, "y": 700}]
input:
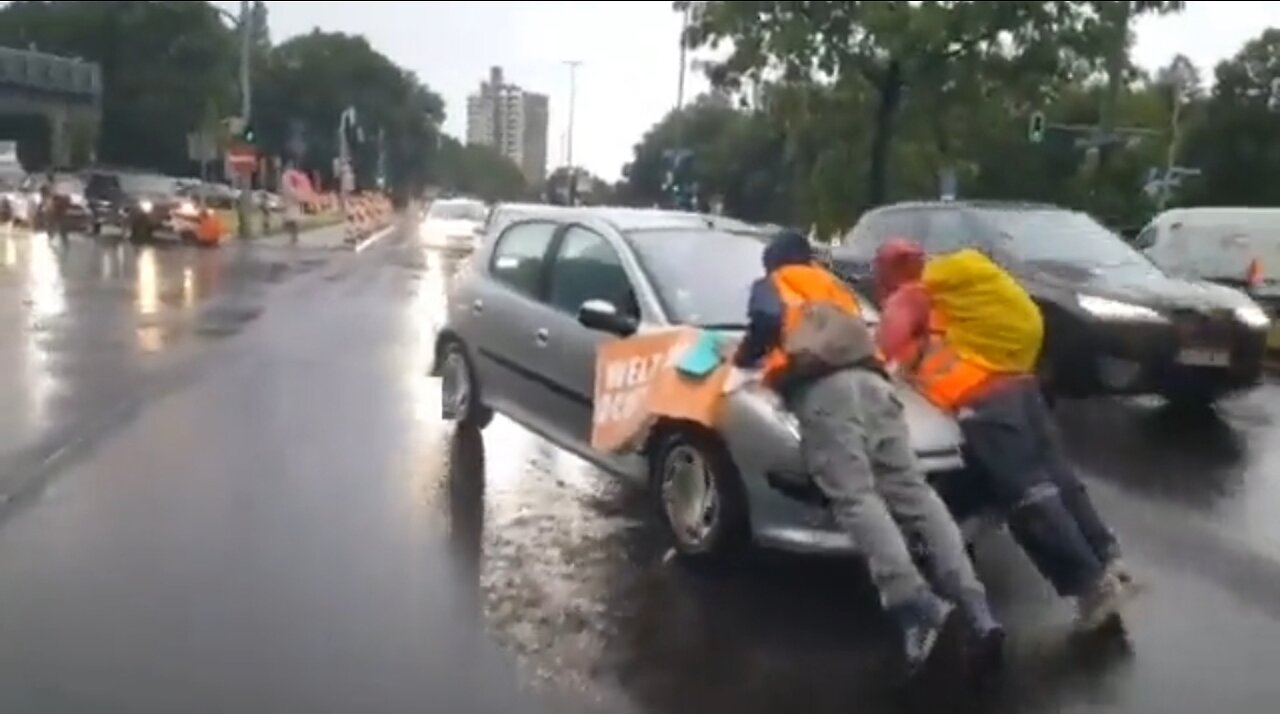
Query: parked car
[
  {"x": 139, "y": 205},
  {"x": 549, "y": 284},
  {"x": 15, "y": 204},
  {"x": 1115, "y": 323},
  {"x": 1237, "y": 247},
  {"x": 454, "y": 223}
]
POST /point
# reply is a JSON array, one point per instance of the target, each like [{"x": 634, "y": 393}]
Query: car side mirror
[{"x": 603, "y": 315}]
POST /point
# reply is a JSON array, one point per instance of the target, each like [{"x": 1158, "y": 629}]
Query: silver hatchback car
[{"x": 549, "y": 284}]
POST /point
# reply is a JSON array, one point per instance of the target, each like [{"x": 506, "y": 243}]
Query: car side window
[
  {"x": 520, "y": 256},
  {"x": 947, "y": 232},
  {"x": 873, "y": 229},
  {"x": 587, "y": 267}
]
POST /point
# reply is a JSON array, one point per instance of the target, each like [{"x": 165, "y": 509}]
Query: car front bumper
[{"x": 1099, "y": 357}]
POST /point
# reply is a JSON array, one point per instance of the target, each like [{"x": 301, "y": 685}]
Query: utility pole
[
  {"x": 244, "y": 208},
  {"x": 573, "y": 99},
  {"x": 684, "y": 28},
  {"x": 1117, "y": 59}
]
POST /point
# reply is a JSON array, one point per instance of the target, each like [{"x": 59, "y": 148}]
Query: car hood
[
  {"x": 933, "y": 433},
  {"x": 1138, "y": 283}
]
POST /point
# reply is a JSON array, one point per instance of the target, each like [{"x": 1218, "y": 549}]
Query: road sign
[
  {"x": 234, "y": 125},
  {"x": 242, "y": 160},
  {"x": 202, "y": 146}
]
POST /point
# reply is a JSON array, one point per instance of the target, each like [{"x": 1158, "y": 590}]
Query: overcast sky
[{"x": 629, "y": 55}]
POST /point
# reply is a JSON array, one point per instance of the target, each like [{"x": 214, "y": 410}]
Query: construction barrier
[{"x": 366, "y": 213}]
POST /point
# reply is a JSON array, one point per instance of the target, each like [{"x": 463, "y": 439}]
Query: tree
[
  {"x": 1235, "y": 142},
  {"x": 311, "y": 79},
  {"x": 894, "y": 47},
  {"x": 163, "y": 63},
  {"x": 736, "y": 157},
  {"x": 478, "y": 171}
]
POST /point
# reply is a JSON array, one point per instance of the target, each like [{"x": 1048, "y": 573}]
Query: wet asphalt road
[{"x": 228, "y": 489}]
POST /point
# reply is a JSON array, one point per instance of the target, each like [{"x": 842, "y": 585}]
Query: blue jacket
[{"x": 764, "y": 306}]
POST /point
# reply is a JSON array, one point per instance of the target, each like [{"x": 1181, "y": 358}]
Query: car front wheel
[{"x": 700, "y": 498}]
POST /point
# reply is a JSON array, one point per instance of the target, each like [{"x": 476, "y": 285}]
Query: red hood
[{"x": 898, "y": 261}]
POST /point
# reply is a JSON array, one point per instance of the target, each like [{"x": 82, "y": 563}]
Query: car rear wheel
[
  {"x": 700, "y": 498},
  {"x": 459, "y": 391}
]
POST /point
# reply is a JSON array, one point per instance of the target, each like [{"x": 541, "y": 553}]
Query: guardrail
[{"x": 43, "y": 72}]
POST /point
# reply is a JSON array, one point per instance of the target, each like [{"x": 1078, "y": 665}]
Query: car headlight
[
  {"x": 1252, "y": 316},
  {"x": 145, "y": 206},
  {"x": 186, "y": 207},
  {"x": 1107, "y": 309}
]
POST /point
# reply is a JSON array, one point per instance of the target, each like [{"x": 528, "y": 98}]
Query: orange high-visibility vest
[
  {"x": 942, "y": 375},
  {"x": 797, "y": 285},
  {"x": 1253, "y": 274}
]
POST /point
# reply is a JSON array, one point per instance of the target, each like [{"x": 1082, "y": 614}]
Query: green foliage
[
  {"x": 162, "y": 62},
  {"x": 168, "y": 66},
  {"x": 869, "y": 102},
  {"x": 478, "y": 171}
]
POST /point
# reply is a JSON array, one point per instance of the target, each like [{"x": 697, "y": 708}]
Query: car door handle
[
  {"x": 477, "y": 307},
  {"x": 541, "y": 337}
]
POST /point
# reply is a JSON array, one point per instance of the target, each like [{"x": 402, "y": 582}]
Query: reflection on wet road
[{"x": 285, "y": 524}]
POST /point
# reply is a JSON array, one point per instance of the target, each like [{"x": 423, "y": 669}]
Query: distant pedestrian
[{"x": 295, "y": 188}]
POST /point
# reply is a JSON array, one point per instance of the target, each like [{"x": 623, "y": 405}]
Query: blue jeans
[{"x": 1014, "y": 445}]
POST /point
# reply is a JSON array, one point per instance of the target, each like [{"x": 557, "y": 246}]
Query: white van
[{"x": 1239, "y": 247}]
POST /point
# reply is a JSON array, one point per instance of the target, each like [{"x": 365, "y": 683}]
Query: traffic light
[
  {"x": 680, "y": 186},
  {"x": 249, "y": 134},
  {"x": 1036, "y": 131}
]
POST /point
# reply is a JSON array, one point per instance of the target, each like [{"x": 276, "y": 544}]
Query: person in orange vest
[
  {"x": 856, "y": 445},
  {"x": 1010, "y": 434}
]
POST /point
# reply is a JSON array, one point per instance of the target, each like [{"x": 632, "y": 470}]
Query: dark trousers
[{"x": 1017, "y": 452}]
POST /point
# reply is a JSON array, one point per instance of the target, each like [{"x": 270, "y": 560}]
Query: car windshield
[
  {"x": 149, "y": 184},
  {"x": 467, "y": 211},
  {"x": 704, "y": 277},
  {"x": 1060, "y": 236}
]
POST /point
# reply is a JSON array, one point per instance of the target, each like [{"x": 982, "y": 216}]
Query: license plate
[{"x": 1204, "y": 357}]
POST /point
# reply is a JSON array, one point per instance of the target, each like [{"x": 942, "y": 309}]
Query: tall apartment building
[{"x": 512, "y": 121}]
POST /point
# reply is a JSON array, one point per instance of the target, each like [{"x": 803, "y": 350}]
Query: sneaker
[
  {"x": 922, "y": 624},
  {"x": 1101, "y": 603},
  {"x": 1121, "y": 571}
]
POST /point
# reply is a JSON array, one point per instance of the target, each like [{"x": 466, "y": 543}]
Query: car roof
[
  {"x": 972, "y": 204},
  {"x": 627, "y": 219}
]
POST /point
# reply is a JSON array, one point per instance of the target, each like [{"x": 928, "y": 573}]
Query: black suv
[
  {"x": 136, "y": 204},
  {"x": 1114, "y": 322}
]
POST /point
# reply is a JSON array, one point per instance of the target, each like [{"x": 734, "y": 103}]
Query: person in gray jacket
[{"x": 856, "y": 445}]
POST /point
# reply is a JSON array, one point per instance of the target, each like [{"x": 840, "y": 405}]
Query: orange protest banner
[{"x": 637, "y": 382}]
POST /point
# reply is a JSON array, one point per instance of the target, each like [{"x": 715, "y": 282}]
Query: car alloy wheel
[{"x": 690, "y": 497}]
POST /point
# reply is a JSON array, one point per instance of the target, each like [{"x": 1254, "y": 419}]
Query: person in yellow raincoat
[{"x": 967, "y": 337}]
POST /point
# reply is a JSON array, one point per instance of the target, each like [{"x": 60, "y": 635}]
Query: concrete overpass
[{"x": 66, "y": 92}]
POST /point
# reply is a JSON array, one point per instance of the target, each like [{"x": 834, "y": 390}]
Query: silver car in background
[{"x": 549, "y": 284}]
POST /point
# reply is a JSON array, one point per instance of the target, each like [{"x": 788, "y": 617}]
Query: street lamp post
[
  {"x": 244, "y": 207},
  {"x": 573, "y": 99}
]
